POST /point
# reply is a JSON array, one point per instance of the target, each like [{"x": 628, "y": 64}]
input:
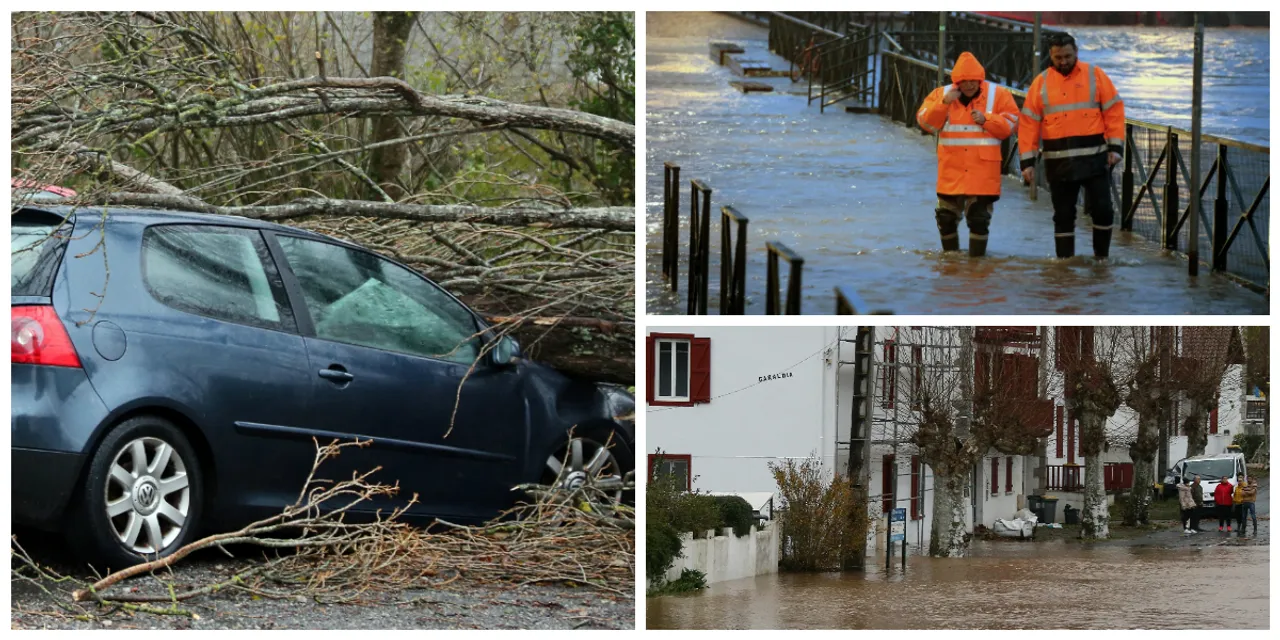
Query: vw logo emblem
[{"x": 146, "y": 495}]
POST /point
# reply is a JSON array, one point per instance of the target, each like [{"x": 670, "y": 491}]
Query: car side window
[
  {"x": 358, "y": 298},
  {"x": 219, "y": 272}
]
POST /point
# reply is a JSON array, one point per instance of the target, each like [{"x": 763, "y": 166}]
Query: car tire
[
  {"x": 128, "y": 500},
  {"x": 623, "y": 456}
]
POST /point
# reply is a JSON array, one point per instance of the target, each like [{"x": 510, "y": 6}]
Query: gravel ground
[{"x": 458, "y": 605}]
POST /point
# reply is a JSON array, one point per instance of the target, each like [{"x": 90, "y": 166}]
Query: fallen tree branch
[{"x": 608, "y": 218}]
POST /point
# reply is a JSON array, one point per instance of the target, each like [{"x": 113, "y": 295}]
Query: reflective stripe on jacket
[
  {"x": 968, "y": 153},
  {"x": 1078, "y": 117}
]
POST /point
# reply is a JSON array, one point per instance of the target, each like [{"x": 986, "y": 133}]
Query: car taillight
[{"x": 39, "y": 338}]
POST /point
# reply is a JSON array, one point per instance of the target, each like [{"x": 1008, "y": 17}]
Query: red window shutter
[
  {"x": 981, "y": 372},
  {"x": 889, "y": 374},
  {"x": 1008, "y": 474},
  {"x": 917, "y": 380},
  {"x": 649, "y": 364},
  {"x": 886, "y": 484},
  {"x": 1071, "y": 438},
  {"x": 1059, "y": 432},
  {"x": 915, "y": 488},
  {"x": 1213, "y": 420},
  {"x": 700, "y": 370},
  {"x": 1068, "y": 346},
  {"x": 995, "y": 475}
]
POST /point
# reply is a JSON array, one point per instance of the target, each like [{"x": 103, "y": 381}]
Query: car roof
[
  {"x": 1215, "y": 456},
  {"x": 137, "y": 215}
]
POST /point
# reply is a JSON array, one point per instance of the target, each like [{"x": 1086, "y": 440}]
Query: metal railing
[
  {"x": 733, "y": 257},
  {"x": 847, "y": 68},
  {"x": 1151, "y": 190},
  {"x": 733, "y": 262},
  {"x": 849, "y": 303},
  {"x": 791, "y": 38},
  {"x": 1154, "y": 194},
  {"x": 671, "y": 223},
  {"x": 1065, "y": 477},
  {"x": 773, "y": 304},
  {"x": 699, "y": 247},
  {"x": 1003, "y": 46}
]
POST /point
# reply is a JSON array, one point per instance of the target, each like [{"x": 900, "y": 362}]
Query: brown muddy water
[{"x": 1040, "y": 586}]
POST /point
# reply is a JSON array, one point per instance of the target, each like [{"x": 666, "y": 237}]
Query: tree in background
[
  {"x": 1205, "y": 353},
  {"x": 1149, "y": 391},
  {"x": 482, "y": 149},
  {"x": 958, "y": 393},
  {"x": 1092, "y": 379}
]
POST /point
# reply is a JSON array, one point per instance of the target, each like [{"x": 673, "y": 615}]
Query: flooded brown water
[{"x": 1042, "y": 586}]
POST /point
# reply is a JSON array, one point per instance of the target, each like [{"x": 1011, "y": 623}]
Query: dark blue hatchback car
[{"x": 170, "y": 371}]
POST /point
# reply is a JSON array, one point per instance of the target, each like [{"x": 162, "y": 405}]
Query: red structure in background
[{"x": 1132, "y": 18}]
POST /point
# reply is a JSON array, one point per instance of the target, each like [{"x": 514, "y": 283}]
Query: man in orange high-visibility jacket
[
  {"x": 1076, "y": 112},
  {"x": 971, "y": 117}
]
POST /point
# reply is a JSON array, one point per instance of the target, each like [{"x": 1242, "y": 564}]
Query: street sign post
[
  {"x": 898, "y": 532},
  {"x": 898, "y": 526}
]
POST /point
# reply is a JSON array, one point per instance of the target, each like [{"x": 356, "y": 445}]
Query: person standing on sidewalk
[
  {"x": 1248, "y": 497},
  {"x": 1197, "y": 496},
  {"x": 1223, "y": 502},
  {"x": 971, "y": 117},
  {"x": 1188, "y": 506},
  {"x": 1075, "y": 111}
]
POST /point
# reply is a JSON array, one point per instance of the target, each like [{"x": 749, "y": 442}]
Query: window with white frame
[{"x": 671, "y": 375}]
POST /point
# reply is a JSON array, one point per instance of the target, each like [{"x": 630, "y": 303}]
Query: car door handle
[{"x": 336, "y": 375}]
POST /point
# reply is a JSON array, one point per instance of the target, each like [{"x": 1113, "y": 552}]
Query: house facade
[{"x": 725, "y": 402}]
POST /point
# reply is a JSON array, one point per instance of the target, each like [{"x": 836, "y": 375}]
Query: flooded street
[
  {"x": 1158, "y": 580},
  {"x": 1025, "y": 585},
  {"x": 854, "y": 195}
]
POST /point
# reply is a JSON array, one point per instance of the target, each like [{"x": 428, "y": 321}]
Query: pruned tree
[
  {"x": 1149, "y": 391},
  {"x": 1204, "y": 355},
  {"x": 961, "y": 393},
  {"x": 502, "y": 178},
  {"x": 1087, "y": 357}
]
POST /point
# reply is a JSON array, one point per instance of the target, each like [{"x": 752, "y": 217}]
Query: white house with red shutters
[{"x": 724, "y": 402}]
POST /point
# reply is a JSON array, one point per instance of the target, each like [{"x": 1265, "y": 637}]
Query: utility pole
[
  {"x": 1197, "y": 82},
  {"x": 942, "y": 44},
  {"x": 1035, "y": 45}
]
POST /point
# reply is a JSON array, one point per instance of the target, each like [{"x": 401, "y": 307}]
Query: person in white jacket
[{"x": 1188, "y": 504}]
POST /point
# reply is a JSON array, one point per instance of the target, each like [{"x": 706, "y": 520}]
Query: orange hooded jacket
[
  {"x": 1079, "y": 117},
  {"x": 969, "y": 157}
]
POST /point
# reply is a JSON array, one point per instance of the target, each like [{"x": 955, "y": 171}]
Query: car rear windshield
[
  {"x": 36, "y": 243},
  {"x": 1210, "y": 469}
]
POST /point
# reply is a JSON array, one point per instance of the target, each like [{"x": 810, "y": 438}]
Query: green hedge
[{"x": 735, "y": 512}]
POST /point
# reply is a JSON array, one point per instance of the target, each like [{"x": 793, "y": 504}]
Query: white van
[{"x": 1210, "y": 469}]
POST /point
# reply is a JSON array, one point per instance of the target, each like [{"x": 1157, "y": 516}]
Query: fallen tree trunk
[{"x": 608, "y": 218}]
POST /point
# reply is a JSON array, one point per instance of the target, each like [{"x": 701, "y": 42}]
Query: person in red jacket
[
  {"x": 971, "y": 116},
  {"x": 1222, "y": 502},
  {"x": 1075, "y": 111}
]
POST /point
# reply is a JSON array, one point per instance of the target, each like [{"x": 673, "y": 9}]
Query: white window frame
[{"x": 675, "y": 358}]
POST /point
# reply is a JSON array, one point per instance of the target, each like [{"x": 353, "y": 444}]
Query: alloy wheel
[
  {"x": 584, "y": 462},
  {"x": 148, "y": 495}
]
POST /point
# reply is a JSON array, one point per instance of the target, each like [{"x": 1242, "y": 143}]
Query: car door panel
[
  {"x": 388, "y": 352},
  {"x": 210, "y": 371}
]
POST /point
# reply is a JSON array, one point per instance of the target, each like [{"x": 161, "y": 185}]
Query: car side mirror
[{"x": 504, "y": 351}]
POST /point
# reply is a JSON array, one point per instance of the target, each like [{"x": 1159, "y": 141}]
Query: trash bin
[
  {"x": 1050, "y": 510},
  {"x": 1035, "y": 504},
  {"x": 1072, "y": 514}
]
